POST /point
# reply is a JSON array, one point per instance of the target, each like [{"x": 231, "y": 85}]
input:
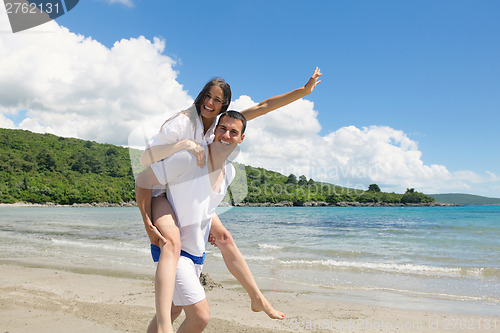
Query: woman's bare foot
[{"x": 262, "y": 304}]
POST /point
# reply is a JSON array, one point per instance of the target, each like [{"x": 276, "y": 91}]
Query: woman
[{"x": 192, "y": 130}]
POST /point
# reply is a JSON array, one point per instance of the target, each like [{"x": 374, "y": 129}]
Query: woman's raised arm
[{"x": 276, "y": 102}]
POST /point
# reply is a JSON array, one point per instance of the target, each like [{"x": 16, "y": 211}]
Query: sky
[{"x": 409, "y": 97}]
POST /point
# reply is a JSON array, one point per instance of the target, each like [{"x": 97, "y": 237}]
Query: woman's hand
[
  {"x": 279, "y": 101},
  {"x": 155, "y": 235},
  {"x": 313, "y": 81},
  {"x": 197, "y": 151},
  {"x": 212, "y": 240}
]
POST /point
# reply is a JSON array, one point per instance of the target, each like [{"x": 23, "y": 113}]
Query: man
[{"x": 194, "y": 193}]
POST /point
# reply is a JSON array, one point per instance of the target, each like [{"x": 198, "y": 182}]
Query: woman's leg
[
  {"x": 165, "y": 220},
  {"x": 236, "y": 264}
]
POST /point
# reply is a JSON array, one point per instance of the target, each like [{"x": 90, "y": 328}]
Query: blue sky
[{"x": 428, "y": 69}]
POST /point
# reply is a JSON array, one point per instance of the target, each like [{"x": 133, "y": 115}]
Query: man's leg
[
  {"x": 197, "y": 316},
  {"x": 164, "y": 220},
  {"x": 176, "y": 312},
  {"x": 237, "y": 265},
  {"x": 153, "y": 327}
]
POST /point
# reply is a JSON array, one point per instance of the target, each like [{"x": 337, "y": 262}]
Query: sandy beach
[{"x": 47, "y": 300}]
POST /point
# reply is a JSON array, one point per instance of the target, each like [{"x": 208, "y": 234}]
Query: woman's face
[{"x": 212, "y": 103}]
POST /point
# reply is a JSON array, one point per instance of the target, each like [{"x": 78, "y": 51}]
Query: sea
[{"x": 422, "y": 258}]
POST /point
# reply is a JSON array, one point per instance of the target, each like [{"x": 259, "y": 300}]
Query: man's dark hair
[
  {"x": 235, "y": 115},
  {"x": 226, "y": 89}
]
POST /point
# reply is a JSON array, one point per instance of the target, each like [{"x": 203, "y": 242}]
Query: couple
[{"x": 197, "y": 176}]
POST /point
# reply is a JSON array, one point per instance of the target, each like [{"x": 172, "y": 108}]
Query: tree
[
  {"x": 374, "y": 188},
  {"x": 367, "y": 197},
  {"x": 411, "y": 196},
  {"x": 292, "y": 179},
  {"x": 46, "y": 160},
  {"x": 85, "y": 162},
  {"x": 332, "y": 198}
]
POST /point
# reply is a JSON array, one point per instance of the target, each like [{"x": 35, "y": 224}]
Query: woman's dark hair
[{"x": 226, "y": 89}]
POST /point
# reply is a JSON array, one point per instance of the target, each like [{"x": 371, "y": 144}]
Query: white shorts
[
  {"x": 158, "y": 190},
  {"x": 188, "y": 289}
]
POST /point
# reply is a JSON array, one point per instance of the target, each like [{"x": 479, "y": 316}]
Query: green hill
[
  {"x": 39, "y": 168},
  {"x": 465, "y": 199}
]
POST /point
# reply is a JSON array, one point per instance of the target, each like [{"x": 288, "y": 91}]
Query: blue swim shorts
[{"x": 155, "y": 253}]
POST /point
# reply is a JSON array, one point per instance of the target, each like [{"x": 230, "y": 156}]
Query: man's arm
[
  {"x": 276, "y": 102},
  {"x": 143, "y": 194}
]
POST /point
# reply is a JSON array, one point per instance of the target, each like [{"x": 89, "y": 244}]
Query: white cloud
[
  {"x": 6, "y": 122},
  {"x": 74, "y": 86},
  {"x": 493, "y": 177},
  {"x": 288, "y": 141},
  {"x": 128, "y": 3}
]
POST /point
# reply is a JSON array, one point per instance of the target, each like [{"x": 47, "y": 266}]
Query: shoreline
[
  {"x": 263, "y": 204},
  {"x": 53, "y": 204},
  {"x": 53, "y": 300},
  {"x": 344, "y": 204}
]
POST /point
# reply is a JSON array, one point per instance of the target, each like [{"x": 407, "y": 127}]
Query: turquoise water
[{"x": 419, "y": 257}]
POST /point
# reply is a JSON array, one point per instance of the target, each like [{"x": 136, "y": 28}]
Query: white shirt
[
  {"x": 191, "y": 196},
  {"x": 181, "y": 127}
]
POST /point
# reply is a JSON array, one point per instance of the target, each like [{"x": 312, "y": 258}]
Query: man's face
[{"x": 228, "y": 132}]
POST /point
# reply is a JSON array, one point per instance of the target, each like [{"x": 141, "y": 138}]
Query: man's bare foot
[{"x": 262, "y": 304}]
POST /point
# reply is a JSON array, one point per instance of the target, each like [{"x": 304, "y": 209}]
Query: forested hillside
[
  {"x": 47, "y": 168},
  {"x": 39, "y": 168}
]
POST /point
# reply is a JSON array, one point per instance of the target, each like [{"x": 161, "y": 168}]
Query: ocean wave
[
  {"x": 270, "y": 247},
  {"x": 248, "y": 257},
  {"x": 104, "y": 246},
  {"x": 390, "y": 267}
]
